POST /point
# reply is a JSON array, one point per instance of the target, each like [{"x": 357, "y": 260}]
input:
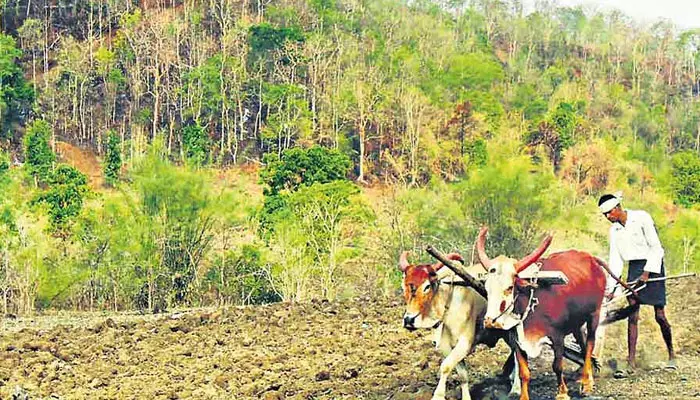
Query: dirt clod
[{"x": 323, "y": 376}]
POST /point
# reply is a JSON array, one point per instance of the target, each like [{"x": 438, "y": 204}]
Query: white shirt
[{"x": 636, "y": 240}]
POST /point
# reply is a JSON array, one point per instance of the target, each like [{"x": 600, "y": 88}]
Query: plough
[{"x": 614, "y": 315}]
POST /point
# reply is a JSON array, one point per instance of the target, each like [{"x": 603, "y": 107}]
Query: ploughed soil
[{"x": 353, "y": 349}]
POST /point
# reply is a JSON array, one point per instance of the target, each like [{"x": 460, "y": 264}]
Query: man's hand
[{"x": 644, "y": 278}]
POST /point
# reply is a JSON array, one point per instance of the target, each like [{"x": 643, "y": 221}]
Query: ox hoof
[
  {"x": 586, "y": 388},
  {"x": 563, "y": 396}
]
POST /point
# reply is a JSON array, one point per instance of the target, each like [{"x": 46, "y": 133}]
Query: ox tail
[{"x": 602, "y": 264}]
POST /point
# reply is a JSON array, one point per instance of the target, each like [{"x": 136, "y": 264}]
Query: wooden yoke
[{"x": 457, "y": 269}]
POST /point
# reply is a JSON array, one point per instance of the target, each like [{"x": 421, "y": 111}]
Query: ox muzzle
[{"x": 409, "y": 322}]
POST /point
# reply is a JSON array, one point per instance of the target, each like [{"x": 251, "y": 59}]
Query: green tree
[
  {"x": 297, "y": 168},
  {"x": 303, "y": 167},
  {"x": 39, "y": 156},
  {"x": 686, "y": 178},
  {"x": 328, "y": 218},
  {"x": 264, "y": 38},
  {"x": 515, "y": 204},
  {"x": 240, "y": 277},
  {"x": 556, "y": 133},
  {"x": 113, "y": 159},
  {"x": 177, "y": 205},
  {"x": 530, "y": 102},
  {"x": 67, "y": 188},
  {"x": 195, "y": 144},
  {"x": 16, "y": 95}
]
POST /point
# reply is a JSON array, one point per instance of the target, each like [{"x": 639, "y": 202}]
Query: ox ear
[
  {"x": 403, "y": 261},
  {"x": 534, "y": 256}
]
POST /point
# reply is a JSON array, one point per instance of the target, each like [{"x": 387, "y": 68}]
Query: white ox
[{"x": 455, "y": 312}]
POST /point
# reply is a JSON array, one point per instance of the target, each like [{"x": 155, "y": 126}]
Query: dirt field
[{"x": 345, "y": 350}]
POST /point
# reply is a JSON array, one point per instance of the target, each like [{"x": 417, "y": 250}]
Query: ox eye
[{"x": 492, "y": 270}]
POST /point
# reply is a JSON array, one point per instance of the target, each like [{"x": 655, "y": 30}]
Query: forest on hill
[{"x": 257, "y": 151}]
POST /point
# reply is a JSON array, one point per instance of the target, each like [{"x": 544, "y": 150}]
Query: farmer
[{"x": 633, "y": 238}]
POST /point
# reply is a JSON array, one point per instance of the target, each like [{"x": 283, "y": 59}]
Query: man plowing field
[{"x": 633, "y": 239}]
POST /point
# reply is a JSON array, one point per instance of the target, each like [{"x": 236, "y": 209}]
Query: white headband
[{"x": 611, "y": 203}]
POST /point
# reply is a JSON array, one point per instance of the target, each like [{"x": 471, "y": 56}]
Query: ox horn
[
  {"x": 484, "y": 260},
  {"x": 403, "y": 261},
  {"x": 534, "y": 256},
  {"x": 452, "y": 256}
]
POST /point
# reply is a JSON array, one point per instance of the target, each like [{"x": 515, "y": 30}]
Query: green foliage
[
  {"x": 195, "y": 144},
  {"x": 506, "y": 195},
  {"x": 477, "y": 152},
  {"x": 486, "y": 103},
  {"x": 176, "y": 205},
  {"x": 529, "y": 102},
  {"x": 209, "y": 82},
  {"x": 565, "y": 120},
  {"x": 64, "y": 197},
  {"x": 16, "y": 95},
  {"x": 649, "y": 124},
  {"x": 4, "y": 165},
  {"x": 512, "y": 201},
  {"x": 682, "y": 241},
  {"x": 113, "y": 158},
  {"x": 105, "y": 59},
  {"x": 39, "y": 156},
  {"x": 555, "y": 76},
  {"x": 686, "y": 178},
  {"x": 303, "y": 167},
  {"x": 296, "y": 168},
  {"x": 557, "y": 133},
  {"x": 319, "y": 235},
  {"x": 434, "y": 94},
  {"x": 264, "y": 37},
  {"x": 288, "y": 119},
  {"x": 240, "y": 277},
  {"x": 475, "y": 71}
]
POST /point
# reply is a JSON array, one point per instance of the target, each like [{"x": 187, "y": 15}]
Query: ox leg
[
  {"x": 558, "y": 367},
  {"x": 458, "y": 353},
  {"x": 587, "y": 383},
  {"x": 463, "y": 374},
  {"x": 524, "y": 371},
  {"x": 508, "y": 366},
  {"x": 515, "y": 388}
]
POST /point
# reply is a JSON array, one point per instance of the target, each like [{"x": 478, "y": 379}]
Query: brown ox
[
  {"x": 433, "y": 300},
  {"x": 560, "y": 309}
]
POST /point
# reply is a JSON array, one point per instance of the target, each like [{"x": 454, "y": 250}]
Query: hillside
[{"x": 175, "y": 154}]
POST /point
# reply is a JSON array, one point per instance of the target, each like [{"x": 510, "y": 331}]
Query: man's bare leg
[{"x": 665, "y": 326}]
